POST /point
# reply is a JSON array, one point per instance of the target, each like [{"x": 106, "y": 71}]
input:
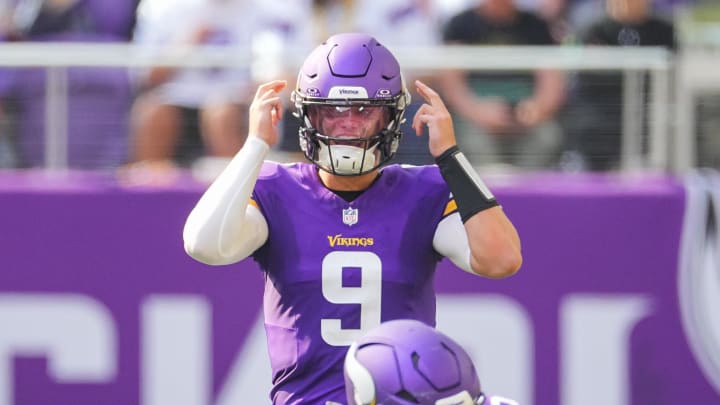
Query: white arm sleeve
[
  {"x": 451, "y": 241},
  {"x": 223, "y": 227}
]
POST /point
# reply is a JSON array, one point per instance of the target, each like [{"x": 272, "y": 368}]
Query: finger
[
  {"x": 423, "y": 117},
  {"x": 426, "y": 118},
  {"x": 277, "y": 110},
  {"x": 417, "y": 122},
  {"x": 430, "y": 95},
  {"x": 417, "y": 128},
  {"x": 274, "y": 102},
  {"x": 275, "y": 85},
  {"x": 274, "y": 116},
  {"x": 271, "y": 93},
  {"x": 424, "y": 90},
  {"x": 272, "y": 90},
  {"x": 420, "y": 89},
  {"x": 269, "y": 108}
]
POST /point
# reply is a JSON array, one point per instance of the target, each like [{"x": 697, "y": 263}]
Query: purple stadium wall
[{"x": 99, "y": 304}]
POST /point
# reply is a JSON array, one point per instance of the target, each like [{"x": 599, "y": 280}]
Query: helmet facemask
[{"x": 349, "y": 137}]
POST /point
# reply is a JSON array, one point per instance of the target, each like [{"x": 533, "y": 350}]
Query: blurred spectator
[
  {"x": 595, "y": 115},
  {"x": 283, "y": 29},
  {"x": 552, "y": 11},
  {"x": 295, "y": 26},
  {"x": 183, "y": 114},
  {"x": 401, "y": 24},
  {"x": 28, "y": 19},
  {"x": 504, "y": 117},
  {"x": 98, "y": 98},
  {"x": 8, "y": 155},
  {"x": 581, "y": 13},
  {"x": 7, "y": 146}
]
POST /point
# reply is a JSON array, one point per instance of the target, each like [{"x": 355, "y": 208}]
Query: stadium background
[{"x": 616, "y": 302}]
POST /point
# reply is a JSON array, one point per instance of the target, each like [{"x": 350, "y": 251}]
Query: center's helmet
[
  {"x": 405, "y": 362},
  {"x": 350, "y": 74}
]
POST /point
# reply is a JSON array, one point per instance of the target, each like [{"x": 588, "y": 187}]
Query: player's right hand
[{"x": 266, "y": 111}]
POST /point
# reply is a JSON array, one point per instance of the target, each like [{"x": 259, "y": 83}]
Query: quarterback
[{"x": 347, "y": 241}]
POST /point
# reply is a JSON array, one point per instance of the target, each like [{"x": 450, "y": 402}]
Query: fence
[{"x": 57, "y": 58}]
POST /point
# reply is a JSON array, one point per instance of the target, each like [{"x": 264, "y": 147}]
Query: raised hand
[
  {"x": 266, "y": 111},
  {"x": 437, "y": 118}
]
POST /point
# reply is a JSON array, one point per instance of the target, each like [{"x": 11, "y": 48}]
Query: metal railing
[
  {"x": 697, "y": 75},
  {"x": 634, "y": 62}
]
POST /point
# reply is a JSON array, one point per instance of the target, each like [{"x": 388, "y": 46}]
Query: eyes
[
  {"x": 345, "y": 111},
  {"x": 331, "y": 119}
]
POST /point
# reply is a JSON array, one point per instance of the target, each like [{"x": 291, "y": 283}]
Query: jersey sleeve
[
  {"x": 225, "y": 226},
  {"x": 450, "y": 239}
]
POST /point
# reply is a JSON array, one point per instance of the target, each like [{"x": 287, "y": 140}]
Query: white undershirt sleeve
[
  {"x": 451, "y": 241},
  {"x": 224, "y": 227}
]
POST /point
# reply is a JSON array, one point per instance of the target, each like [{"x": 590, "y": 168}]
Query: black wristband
[{"x": 470, "y": 192}]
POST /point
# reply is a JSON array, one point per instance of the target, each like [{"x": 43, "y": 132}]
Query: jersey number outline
[{"x": 367, "y": 295}]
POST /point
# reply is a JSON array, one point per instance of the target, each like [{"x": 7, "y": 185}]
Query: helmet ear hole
[{"x": 407, "y": 396}]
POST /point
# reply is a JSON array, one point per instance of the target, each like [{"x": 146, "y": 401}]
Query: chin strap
[{"x": 346, "y": 159}]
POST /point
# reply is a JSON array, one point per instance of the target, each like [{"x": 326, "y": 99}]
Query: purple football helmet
[
  {"x": 350, "y": 98},
  {"x": 405, "y": 362}
]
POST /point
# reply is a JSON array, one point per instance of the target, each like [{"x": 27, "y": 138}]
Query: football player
[
  {"x": 347, "y": 241},
  {"x": 405, "y": 362}
]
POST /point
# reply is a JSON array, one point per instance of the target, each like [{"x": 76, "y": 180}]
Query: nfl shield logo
[{"x": 350, "y": 216}]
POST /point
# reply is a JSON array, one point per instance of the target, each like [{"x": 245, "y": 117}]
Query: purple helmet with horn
[
  {"x": 350, "y": 97},
  {"x": 405, "y": 362}
]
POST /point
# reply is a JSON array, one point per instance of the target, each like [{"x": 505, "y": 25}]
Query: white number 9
[{"x": 367, "y": 294}]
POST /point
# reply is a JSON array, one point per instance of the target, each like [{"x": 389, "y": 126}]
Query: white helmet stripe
[{"x": 362, "y": 381}]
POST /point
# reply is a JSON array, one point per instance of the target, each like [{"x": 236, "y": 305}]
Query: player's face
[{"x": 357, "y": 122}]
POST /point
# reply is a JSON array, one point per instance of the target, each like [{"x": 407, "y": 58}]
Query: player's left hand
[{"x": 437, "y": 118}]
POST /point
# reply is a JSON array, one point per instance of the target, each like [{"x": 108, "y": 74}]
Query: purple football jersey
[{"x": 334, "y": 269}]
